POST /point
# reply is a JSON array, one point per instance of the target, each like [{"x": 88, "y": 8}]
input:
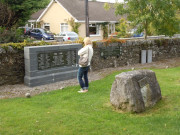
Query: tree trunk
[
  {"x": 145, "y": 29},
  {"x": 145, "y": 33}
]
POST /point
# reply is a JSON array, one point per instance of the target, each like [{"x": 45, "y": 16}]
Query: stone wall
[
  {"x": 11, "y": 66},
  {"x": 130, "y": 52},
  {"x": 105, "y": 56}
]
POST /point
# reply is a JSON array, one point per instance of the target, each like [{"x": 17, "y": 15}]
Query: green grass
[{"x": 66, "y": 112}]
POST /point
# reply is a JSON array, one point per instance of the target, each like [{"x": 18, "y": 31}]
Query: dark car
[{"x": 41, "y": 34}]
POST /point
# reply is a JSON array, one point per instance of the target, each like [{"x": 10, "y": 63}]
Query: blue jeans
[{"x": 83, "y": 72}]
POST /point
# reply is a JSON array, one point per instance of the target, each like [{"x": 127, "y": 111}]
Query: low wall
[
  {"x": 11, "y": 66},
  {"x": 12, "y": 70},
  {"x": 129, "y": 53}
]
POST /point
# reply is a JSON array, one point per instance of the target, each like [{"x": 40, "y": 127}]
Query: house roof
[
  {"x": 96, "y": 10},
  {"x": 36, "y": 15},
  {"x": 76, "y": 8}
]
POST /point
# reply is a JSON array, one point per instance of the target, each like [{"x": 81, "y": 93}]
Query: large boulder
[{"x": 134, "y": 91}]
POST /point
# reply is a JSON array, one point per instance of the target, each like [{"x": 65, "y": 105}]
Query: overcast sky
[{"x": 110, "y": 0}]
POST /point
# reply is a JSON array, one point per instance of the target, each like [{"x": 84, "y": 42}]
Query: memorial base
[{"x": 50, "y": 78}]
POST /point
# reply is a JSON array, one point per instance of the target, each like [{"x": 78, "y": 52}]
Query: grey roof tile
[{"x": 77, "y": 9}]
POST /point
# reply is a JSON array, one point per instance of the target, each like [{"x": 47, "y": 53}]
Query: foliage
[
  {"x": 122, "y": 28},
  {"x": 113, "y": 40},
  {"x": 75, "y": 26},
  {"x": 107, "y": 6},
  {"x": 157, "y": 16},
  {"x": 15, "y": 13},
  {"x": 26, "y": 43},
  {"x": 104, "y": 29},
  {"x": 81, "y": 41},
  {"x": 66, "y": 112},
  {"x": 11, "y": 35}
]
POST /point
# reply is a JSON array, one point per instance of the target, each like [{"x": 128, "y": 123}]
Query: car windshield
[
  {"x": 72, "y": 34},
  {"x": 45, "y": 31}
]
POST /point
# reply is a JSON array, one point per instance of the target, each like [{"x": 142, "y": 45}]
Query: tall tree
[
  {"x": 157, "y": 16},
  {"x": 17, "y": 12},
  {"x": 75, "y": 25}
]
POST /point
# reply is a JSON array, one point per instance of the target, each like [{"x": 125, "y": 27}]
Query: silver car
[{"x": 68, "y": 36}]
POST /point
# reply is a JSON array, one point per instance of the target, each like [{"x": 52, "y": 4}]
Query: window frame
[
  {"x": 63, "y": 25},
  {"x": 97, "y": 26},
  {"x": 46, "y": 24},
  {"x": 111, "y": 28}
]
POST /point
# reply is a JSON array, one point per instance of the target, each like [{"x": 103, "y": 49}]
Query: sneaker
[{"x": 83, "y": 91}]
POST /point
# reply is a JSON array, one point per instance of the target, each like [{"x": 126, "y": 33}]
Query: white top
[{"x": 84, "y": 52}]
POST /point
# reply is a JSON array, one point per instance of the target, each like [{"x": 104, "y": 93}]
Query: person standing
[{"x": 86, "y": 51}]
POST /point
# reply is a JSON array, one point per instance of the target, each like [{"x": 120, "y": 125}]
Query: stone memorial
[
  {"x": 48, "y": 64},
  {"x": 110, "y": 51},
  {"x": 143, "y": 56},
  {"x": 134, "y": 91},
  {"x": 149, "y": 56}
]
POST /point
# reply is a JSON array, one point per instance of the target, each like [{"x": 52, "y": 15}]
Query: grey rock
[
  {"x": 2, "y": 50},
  {"x": 11, "y": 50},
  {"x": 28, "y": 95},
  {"x": 134, "y": 91}
]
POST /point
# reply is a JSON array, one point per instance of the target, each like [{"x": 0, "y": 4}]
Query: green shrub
[
  {"x": 25, "y": 43},
  {"x": 11, "y": 35}
]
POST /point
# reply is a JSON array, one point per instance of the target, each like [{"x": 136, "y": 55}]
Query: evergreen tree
[{"x": 17, "y": 12}]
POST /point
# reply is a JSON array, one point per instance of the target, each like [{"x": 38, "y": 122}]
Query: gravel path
[{"x": 19, "y": 90}]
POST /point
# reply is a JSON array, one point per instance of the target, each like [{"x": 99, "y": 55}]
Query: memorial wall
[{"x": 48, "y": 64}]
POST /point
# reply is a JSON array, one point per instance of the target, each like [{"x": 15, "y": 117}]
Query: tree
[
  {"x": 122, "y": 28},
  {"x": 157, "y": 16},
  {"x": 75, "y": 25},
  {"x": 17, "y": 12}
]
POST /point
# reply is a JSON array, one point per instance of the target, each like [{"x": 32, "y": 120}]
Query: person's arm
[{"x": 82, "y": 51}]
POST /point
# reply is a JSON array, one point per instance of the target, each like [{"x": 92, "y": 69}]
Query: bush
[
  {"x": 113, "y": 40},
  {"x": 21, "y": 46},
  {"x": 11, "y": 35}
]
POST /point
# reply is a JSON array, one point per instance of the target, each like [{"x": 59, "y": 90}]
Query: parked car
[
  {"x": 138, "y": 35},
  {"x": 134, "y": 33},
  {"x": 68, "y": 36},
  {"x": 42, "y": 34}
]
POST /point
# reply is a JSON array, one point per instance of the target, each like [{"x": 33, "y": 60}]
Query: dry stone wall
[
  {"x": 130, "y": 52},
  {"x": 11, "y": 66},
  {"x": 105, "y": 56}
]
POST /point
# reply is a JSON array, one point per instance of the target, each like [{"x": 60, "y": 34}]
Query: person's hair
[{"x": 87, "y": 41}]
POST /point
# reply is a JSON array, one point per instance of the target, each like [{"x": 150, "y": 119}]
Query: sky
[{"x": 112, "y": 1}]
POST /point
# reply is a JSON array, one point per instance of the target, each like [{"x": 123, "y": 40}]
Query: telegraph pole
[{"x": 87, "y": 18}]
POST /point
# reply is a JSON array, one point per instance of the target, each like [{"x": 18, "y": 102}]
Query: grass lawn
[{"x": 67, "y": 112}]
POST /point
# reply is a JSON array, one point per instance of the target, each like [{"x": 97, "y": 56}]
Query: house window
[
  {"x": 64, "y": 27},
  {"x": 111, "y": 28},
  {"x": 47, "y": 26},
  {"x": 94, "y": 29}
]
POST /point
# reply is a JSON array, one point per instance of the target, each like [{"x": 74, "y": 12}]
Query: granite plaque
[
  {"x": 143, "y": 56},
  {"x": 111, "y": 51},
  {"x": 56, "y": 59},
  {"x": 149, "y": 56}
]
